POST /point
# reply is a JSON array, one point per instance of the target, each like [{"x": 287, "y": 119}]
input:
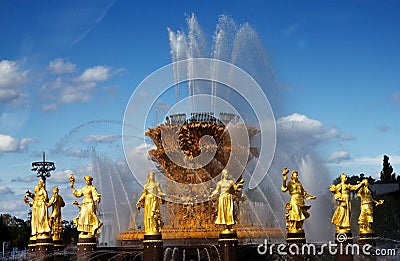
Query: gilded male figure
[{"x": 56, "y": 202}]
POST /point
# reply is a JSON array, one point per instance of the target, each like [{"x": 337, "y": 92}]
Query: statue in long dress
[
  {"x": 296, "y": 208},
  {"x": 227, "y": 190},
  {"x": 342, "y": 215},
  {"x": 87, "y": 222},
  {"x": 56, "y": 202},
  {"x": 367, "y": 209},
  {"x": 40, "y": 225},
  {"x": 150, "y": 200}
]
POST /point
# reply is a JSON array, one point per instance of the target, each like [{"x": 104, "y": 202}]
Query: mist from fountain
[{"x": 241, "y": 46}]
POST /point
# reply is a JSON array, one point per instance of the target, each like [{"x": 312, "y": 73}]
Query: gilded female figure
[
  {"x": 87, "y": 221},
  {"x": 34, "y": 215},
  {"x": 296, "y": 208},
  {"x": 342, "y": 216},
  {"x": 227, "y": 189},
  {"x": 151, "y": 199},
  {"x": 366, "y": 215}
]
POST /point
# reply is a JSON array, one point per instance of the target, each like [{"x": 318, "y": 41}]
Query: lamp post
[{"x": 43, "y": 168}]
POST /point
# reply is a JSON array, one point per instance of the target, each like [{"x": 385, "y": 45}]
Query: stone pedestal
[
  {"x": 31, "y": 249},
  {"x": 228, "y": 245},
  {"x": 153, "y": 247},
  {"x": 86, "y": 247},
  {"x": 44, "y": 248},
  {"x": 58, "y": 249},
  {"x": 367, "y": 238},
  {"x": 295, "y": 243},
  {"x": 343, "y": 240},
  {"x": 58, "y": 245},
  {"x": 366, "y": 251}
]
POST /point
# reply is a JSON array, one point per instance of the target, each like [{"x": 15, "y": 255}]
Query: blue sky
[{"x": 73, "y": 65}]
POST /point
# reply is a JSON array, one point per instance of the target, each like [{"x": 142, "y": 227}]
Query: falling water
[
  {"x": 241, "y": 46},
  {"x": 103, "y": 160}
]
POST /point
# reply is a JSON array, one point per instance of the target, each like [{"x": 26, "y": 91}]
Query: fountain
[
  {"x": 187, "y": 162},
  {"x": 191, "y": 222}
]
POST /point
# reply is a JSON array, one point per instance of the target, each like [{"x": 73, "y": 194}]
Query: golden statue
[
  {"x": 342, "y": 216},
  {"x": 87, "y": 222},
  {"x": 56, "y": 202},
  {"x": 296, "y": 208},
  {"x": 150, "y": 200},
  {"x": 40, "y": 225},
  {"x": 227, "y": 190},
  {"x": 32, "y": 204},
  {"x": 366, "y": 216}
]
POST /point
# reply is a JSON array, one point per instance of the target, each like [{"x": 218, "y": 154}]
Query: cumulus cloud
[
  {"x": 339, "y": 157},
  {"x": 139, "y": 156},
  {"x": 11, "y": 78},
  {"x": 26, "y": 179},
  {"x": 11, "y": 144},
  {"x": 371, "y": 160},
  {"x": 77, "y": 93},
  {"x": 5, "y": 190},
  {"x": 60, "y": 176},
  {"x": 59, "y": 66},
  {"x": 101, "y": 138},
  {"x": 68, "y": 89},
  {"x": 95, "y": 74},
  {"x": 303, "y": 131}
]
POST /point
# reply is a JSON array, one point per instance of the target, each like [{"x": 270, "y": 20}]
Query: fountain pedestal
[
  {"x": 295, "y": 243},
  {"x": 58, "y": 245},
  {"x": 86, "y": 247},
  {"x": 31, "y": 248},
  {"x": 228, "y": 244},
  {"x": 44, "y": 248},
  {"x": 342, "y": 240},
  {"x": 152, "y": 247},
  {"x": 367, "y": 238}
]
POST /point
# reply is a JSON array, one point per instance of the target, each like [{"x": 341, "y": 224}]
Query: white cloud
[
  {"x": 101, "y": 138},
  {"x": 5, "y": 190},
  {"x": 60, "y": 176},
  {"x": 95, "y": 74},
  {"x": 77, "y": 93},
  {"x": 367, "y": 160},
  {"x": 59, "y": 66},
  {"x": 71, "y": 88},
  {"x": 11, "y": 144},
  {"x": 11, "y": 78},
  {"x": 26, "y": 179},
  {"x": 49, "y": 107},
  {"x": 139, "y": 156},
  {"x": 339, "y": 157},
  {"x": 301, "y": 130}
]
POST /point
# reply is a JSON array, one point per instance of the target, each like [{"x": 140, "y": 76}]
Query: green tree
[{"x": 14, "y": 230}]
